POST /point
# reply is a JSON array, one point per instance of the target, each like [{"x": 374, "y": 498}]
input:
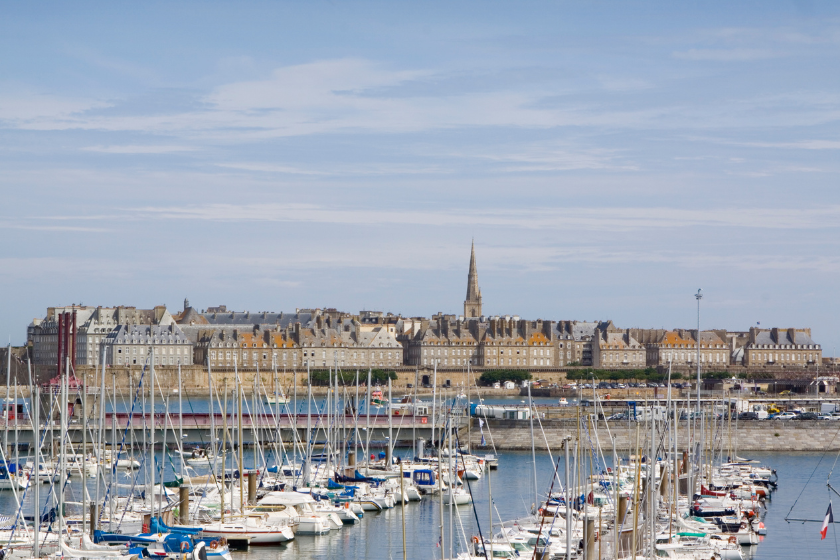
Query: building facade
[
  {"x": 323, "y": 345},
  {"x": 138, "y": 345},
  {"x": 781, "y": 347},
  {"x": 616, "y": 348},
  {"x": 80, "y": 333}
]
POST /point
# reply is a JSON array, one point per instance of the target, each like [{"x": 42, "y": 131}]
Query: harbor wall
[{"x": 750, "y": 436}]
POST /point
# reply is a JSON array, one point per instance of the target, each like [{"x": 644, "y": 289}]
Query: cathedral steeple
[{"x": 472, "y": 305}]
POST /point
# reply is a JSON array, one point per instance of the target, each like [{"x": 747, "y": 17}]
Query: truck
[{"x": 829, "y": 408}]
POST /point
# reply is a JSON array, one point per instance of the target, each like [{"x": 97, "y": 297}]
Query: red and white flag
[{"x": 829, "y": 518}]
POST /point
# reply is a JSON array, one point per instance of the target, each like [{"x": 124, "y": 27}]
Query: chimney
[{"x": 548, "y": 330}]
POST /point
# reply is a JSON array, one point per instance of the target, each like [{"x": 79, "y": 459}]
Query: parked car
[
  {"x": 619, "y": 416},
  {"x": 784, "y": 416},
  {"x": 748, "y": 416},
  {"x": 806, "y": 416}
]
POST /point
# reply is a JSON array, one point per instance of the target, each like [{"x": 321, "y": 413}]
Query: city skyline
[{"x": 608, "y": 160}]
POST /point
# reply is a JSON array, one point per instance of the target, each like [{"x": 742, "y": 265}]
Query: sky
[{"x": 608, "y": 159}]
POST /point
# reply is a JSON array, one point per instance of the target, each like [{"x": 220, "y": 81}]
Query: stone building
[
  {"x": 578, "y": 341},
  {"x": 487, "y": 342},
  {"x": 781, "y": 347},
  {"x": 679, "y": 348},
  {"x": 324, "y": 344},
  {"x": 80, "y": 333},
  {"x": 616, "y": 348},
  {"x": 132, "y": 345}
]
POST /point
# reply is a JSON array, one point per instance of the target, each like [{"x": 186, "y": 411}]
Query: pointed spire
[{"x": 472, "y": 305}]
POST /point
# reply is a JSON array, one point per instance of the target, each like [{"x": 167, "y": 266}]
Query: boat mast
[
  {"x": 296, "y": 437},
  {"x": 307, "y": 460},
  {"x": 6, "y": 405},
  {"x": 440, "y": 501},
  {"x": 83, "y": 474},
  {"x": 239, "y": 397},
  {"x": 99, "y": 447},
  {"x": 224, "y": 450},
  {"x": 533, "y": 447},
  {"x": 180, "y": 420},
  {"x": 469, "y": 419},
  {"x": 568, "y": 501},
  {"x": 452, "y": 476},
  {"x": 390, "y": 429},
  {"x": 367, "y": 424},
  {"x": 277, "y": 450},
  {"x": 36, "y": 435},
  {"x": 212, "y": 454},
  {"x": 356, "y": 413},
  {"x": 114, "y": 450},
  {"x": 63, "y": 447},
  {"x": 434, "y": 401},
  {"x": 163, "y": 447},
  {"x": 151, "y": 493}
]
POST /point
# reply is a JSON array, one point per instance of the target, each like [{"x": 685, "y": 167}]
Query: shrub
[{"x": 501, "y": 375}]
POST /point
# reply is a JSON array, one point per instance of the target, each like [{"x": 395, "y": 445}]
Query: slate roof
[{"x": 147, "y": 334}]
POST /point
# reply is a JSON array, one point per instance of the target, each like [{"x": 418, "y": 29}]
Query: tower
[{"x": 472, "y": 305}]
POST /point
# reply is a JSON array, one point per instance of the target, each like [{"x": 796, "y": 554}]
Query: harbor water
[{"x": 802, "y": 483}]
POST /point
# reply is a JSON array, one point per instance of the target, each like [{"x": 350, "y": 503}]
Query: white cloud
[{"x": 138, "y": 149}]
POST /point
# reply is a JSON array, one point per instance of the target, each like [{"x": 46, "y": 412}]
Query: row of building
[{"x": 320, "y": 338}]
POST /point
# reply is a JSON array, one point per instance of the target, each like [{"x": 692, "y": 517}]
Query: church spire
[{"x": 472, "y": 305}]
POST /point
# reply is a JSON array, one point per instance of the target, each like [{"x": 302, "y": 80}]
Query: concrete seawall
[{"x": 761, "y": 435}]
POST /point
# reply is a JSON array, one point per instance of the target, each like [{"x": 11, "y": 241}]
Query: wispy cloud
[
  {"x": 333, "y": 170},
  {"x": 725, "y": 55},
  {"x": 52, "y": 227},
  {"x": 609, "y": 219},
  {"x": 138, "y": 149}
]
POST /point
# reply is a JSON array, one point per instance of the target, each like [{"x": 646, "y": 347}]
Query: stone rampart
[{"x": 750, "y": 436}]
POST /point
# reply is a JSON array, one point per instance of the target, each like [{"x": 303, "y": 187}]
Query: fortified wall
[{"x": 750, "y": 436}]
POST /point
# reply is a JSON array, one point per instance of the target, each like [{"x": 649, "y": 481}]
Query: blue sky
[{"x": 608, "y": 158}]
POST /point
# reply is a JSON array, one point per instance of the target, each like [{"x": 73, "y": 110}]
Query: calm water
[
  {"x": 379, "y": 536},
  {"x": 202, "y": 404}
]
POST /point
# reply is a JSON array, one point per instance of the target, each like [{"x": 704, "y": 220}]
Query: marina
[{"x": 139, "y": 483}]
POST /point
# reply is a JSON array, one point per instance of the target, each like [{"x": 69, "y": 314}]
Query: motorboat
[{"x": 255, "y": 527}]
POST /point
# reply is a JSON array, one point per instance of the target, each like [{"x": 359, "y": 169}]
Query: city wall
[
  {"x": 195, "y": 379},
  {"x": 751, "y": 436}
]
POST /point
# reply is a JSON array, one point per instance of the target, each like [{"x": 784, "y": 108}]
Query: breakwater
[{"x": 749, "y": 436}]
